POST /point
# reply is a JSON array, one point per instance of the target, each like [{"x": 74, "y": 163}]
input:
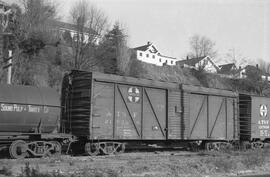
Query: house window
[
  {"x": 140, "y": 53},
  {"x": 171, "y": 62},
  {"x": 147, "y": 55},
  {"x": 160, "y": 60},
  {"x": 205, "y": 62},
  {"x": 153, "y": 56}
]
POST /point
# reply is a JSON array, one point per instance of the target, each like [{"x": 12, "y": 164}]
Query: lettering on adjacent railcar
[
  {"x": 32, "y": 108},
  {"x": 133, "y": 95},
  {"x": 4, "y": 107},
  {"x": 12, "y": 108},
  {"x": 263, "y": 124},
  {"x": 46, "y": 109},
  {"x": 264, "y": 128},
  {"x": 264, "y": 133}
]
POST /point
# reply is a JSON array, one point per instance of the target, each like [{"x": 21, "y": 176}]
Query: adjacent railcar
[
  {"x": 29, "y": 121},
  {"x": 107, "y": 111},
  {"x": 254, "y": 119}
]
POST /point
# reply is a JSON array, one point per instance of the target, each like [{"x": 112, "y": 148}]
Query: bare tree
[
  {"x": 264, "y": 66},
  {"x": 32, "y": 31},
  {"x": 202, "y": 46},
  {"x": 90, "y": 24},
  {"x": 233, "y": 56}
]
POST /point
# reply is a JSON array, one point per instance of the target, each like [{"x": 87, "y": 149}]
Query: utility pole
[
  {"x": 7, "y": 15},
  {"x": 7, "y": 55},
  {"x": 9, "y": 67}
]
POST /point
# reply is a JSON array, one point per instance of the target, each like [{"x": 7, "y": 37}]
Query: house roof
[
  {"x": 167, "y": 57},
  {"x": 191, "y": 62},
  {"x": 142, "y": 48},
  {"x": 251, "y": 67},
  {"x": 4, "y": 3},
  {"x": 145, "y": 47},
  {"x": 194, "y": 61},
  {"x": 227, "y": 68},
  {"x": 65, "y": 26}
]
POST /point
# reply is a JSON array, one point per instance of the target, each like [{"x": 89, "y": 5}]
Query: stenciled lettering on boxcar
[
  {"x": 23, "y": 108},
  {"x": 263, "y": 124},
  {"x": 123, "y": 124},
  {"x": 133, "y": 95}
]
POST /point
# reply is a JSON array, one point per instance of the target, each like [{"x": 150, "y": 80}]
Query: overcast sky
[{"x": 240, "y": 24}]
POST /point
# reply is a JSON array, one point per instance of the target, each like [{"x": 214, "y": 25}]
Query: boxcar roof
[
  {"x": 134, "y": 81},
  {"x": 252, "y": 95},
  {"x": 97, "y": 76},
  {"x": 208, "y": 91}
]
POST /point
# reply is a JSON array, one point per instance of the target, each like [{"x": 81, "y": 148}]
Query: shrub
[
  {"x": 221, "y": 164},
  {"x": 28, "y": 171},
  {"x": 6, "y": 171},
  {"x": 98, "y": 173},
  {"x": 254, "y": 158}
]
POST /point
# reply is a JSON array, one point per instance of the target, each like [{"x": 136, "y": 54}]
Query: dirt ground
[{"x": 146, "y": 164}]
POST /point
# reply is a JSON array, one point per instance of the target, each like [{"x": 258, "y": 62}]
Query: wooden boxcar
[{"x": 107, "y": 111}]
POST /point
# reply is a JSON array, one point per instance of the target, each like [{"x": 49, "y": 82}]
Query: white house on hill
[{"x": 148, "y": 53}]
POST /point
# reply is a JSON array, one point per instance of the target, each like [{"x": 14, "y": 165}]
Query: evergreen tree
[{"x": 113, "y": 51}]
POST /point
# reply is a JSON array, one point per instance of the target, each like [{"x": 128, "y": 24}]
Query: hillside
[{"x": 200, "y": 78}]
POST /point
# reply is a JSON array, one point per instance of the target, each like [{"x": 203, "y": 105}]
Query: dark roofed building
[
  {"x": 72, "y": 29},
  {"x": 204, "y": 63},
  {"x": 254, "y": 70},
  {"x": 146, "y": 47},
  {"x": 227, "y": 68},
  {"x": 190, "y": 62},
  {"x": 66, "y": 26}
]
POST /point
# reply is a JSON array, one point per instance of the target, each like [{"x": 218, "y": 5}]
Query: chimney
[
  {"x": 187, "y": 57},
  {"x": 148, "y": 43},
  {"x": 257, "y": 66}
]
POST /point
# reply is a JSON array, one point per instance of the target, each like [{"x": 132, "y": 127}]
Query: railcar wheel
[
  {"x": 91, "y": 149},
  {"x": 210, "y": 147},
  {"x": 17, "y": 149},
  {"x": 225, "y": 146},
  {"x": 257, "y": 145},
  {"x": 108, "y": 149},
  {"x": 52, "y": 148},
  {"x": 235, "y": 145},
  {"x": 56, "y": 148},
  {"x": 122, "y": 148},
  {"x": 214, "y": 146}
]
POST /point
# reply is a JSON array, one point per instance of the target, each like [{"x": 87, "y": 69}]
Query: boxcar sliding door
[
  {"x": 211, "y": 114},
  {"x": 122, "y": 111}
]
